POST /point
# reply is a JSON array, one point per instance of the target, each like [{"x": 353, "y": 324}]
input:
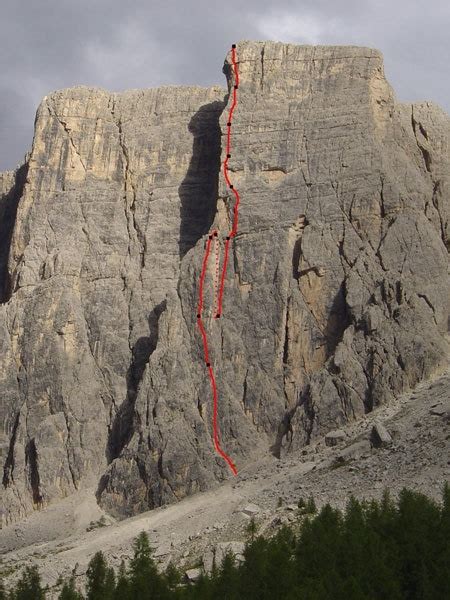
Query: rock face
[{"x": 336, "y": 297}]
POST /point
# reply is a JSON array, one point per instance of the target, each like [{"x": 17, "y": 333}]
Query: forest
[{"x": 378, "y": 549}]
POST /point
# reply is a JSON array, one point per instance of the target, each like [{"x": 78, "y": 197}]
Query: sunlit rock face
[{"x": 336, "y": 297}]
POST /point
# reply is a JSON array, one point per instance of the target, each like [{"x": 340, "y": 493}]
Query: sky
[{"x": 115, "y": 44}]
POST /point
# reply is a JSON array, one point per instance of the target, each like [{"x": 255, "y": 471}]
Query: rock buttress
[{"x": 336, "y": 298}]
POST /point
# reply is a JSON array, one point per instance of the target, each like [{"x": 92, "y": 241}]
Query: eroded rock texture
[{"x": 336, "y": 298}]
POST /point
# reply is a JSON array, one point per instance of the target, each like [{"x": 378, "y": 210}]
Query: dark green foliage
[
  {"x": 145, "y": 581},
  {"x": 251, "y": 529},
  {"x": 310, "y": 508},
  {"x": 226, "y": 585},
  {"x": 122, "y": 591},
  {"x": 29, "y": 586},
  {"x": 100, "y": 579},
  {"x": 172, "y": 577},
  {"x": 69, "y": 591},
  {"x": 372, "y": 550}
]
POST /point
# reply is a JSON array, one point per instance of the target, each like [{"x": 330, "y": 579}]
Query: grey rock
[
  {"x": 208, "y": 559},
  {"x": 333, "y": 438},
  {"x": 441, "y": 410},
  {"x": 251, "y": 510},
  {"x": 162, "y": 550},
  {"x": 380, "y": 435},
  {"x": 336, "y": 296},
  {"x": 193, "y": 575},
  {"x": 355, "y": 450}
]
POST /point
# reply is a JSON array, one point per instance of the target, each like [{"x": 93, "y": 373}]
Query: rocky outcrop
[{"x": 336, "y": 297}]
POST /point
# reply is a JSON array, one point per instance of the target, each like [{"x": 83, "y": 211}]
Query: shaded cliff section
[{"x": 11, "y": 188}]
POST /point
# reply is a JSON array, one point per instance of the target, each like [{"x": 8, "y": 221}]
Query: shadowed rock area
[{"x": 337, "y": 293}]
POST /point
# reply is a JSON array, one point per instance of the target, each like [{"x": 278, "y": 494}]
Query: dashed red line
[
  {"x": 216, "y": 274},
  {"x": 219, "y": 298}
]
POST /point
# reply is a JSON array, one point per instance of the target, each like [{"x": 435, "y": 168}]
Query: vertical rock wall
[{"x": 336, "y": 298}]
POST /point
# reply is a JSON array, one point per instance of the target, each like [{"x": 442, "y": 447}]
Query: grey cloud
[{"x": 50, "y": 44}]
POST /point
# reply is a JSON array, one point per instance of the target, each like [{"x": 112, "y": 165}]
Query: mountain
[{"x": 336, "y": 297}]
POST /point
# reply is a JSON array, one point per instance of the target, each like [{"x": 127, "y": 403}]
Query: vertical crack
[
  {"x": 69, "y": 445},
  {"x": 262, "y": 67},
  {"x": 416, "y": 126},
  {"x": 9, "y": 203},
  {"x": 8, "y": 470},
  {"x": 286, "y": 336},
  {"x": 69, "y": 136},
  {"x": 134, "y": 231},
  {"x": 31, "y": 460},
  {"x": 121, "y": 429}
]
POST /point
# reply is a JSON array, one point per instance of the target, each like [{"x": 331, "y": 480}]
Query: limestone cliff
[{"x": 336, "y": 298}]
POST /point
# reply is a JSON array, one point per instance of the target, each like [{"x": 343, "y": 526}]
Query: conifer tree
[
  {"x": 172, "y": 576},
  {"x": 251, "y": 529},
  {"x": 145, "y": 582},
  {"x": 110, "y": 584},
  {"x": 227, "y": 582},
  {"x": 310, "y": 508},
  {"x": 442, "y": 581},
  {"x": 98, "y": 576},
  {"x": 278, "y": 573},
  {"x": 69, "y": 591},
  {"x": 29, "y": 586},
  {"x": 122, "y": 590},
  {"x": 417, "y": 530}
]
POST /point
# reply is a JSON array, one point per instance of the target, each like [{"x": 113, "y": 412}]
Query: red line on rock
[{"x": 218, "y": 305}]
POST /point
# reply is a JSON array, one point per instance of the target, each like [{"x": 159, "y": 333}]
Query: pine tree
[
  {"x": 110, "y": 584},
  {"x": 251, "y": 529},
  {"x": 172, "y": 576},
  {"x": 310, "y": 508},
  {"x": 278, "y": 573},
  {"x": 99, "y": 579},
  {"x": 418, "y": 528},
  {"x": 145, "y": 582},
  {"x": 29, "y": 586},
  {"x": 252, "y": 572},
  {"x": 227, "y": 583},
  {"x": 317, "y": 549},
  {"x": 122, "y": 590},
  {"x": 441, "y": 582},
  {"x": 69, "y": 591}
]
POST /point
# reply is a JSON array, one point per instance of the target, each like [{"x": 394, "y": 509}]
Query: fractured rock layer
[{"x": 337, "y": 292}]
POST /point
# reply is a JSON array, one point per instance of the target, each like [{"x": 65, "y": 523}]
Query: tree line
[{"x": 372, "y": 550}]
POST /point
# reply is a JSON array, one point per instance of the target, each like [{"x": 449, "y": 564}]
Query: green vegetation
[
  {"x": 251, "y": 529},
  {"x": 96, "y": 524},
  {"x": 373, "y": 550}
]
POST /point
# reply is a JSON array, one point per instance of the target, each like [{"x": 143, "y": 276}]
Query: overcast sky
[{"x": 119, "y": 44}]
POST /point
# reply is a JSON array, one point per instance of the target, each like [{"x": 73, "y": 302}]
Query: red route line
[
  {"x": 214, "y": 234},
  {"x": 216, "y": 273}
]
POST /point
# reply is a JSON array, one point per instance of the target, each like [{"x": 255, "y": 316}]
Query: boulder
[
  {"x": 251, "y": 510},
  {"x": 381, "y": 438},
  {"x": 333, "y": 438},
  {"x": 193, "y": 575}
]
